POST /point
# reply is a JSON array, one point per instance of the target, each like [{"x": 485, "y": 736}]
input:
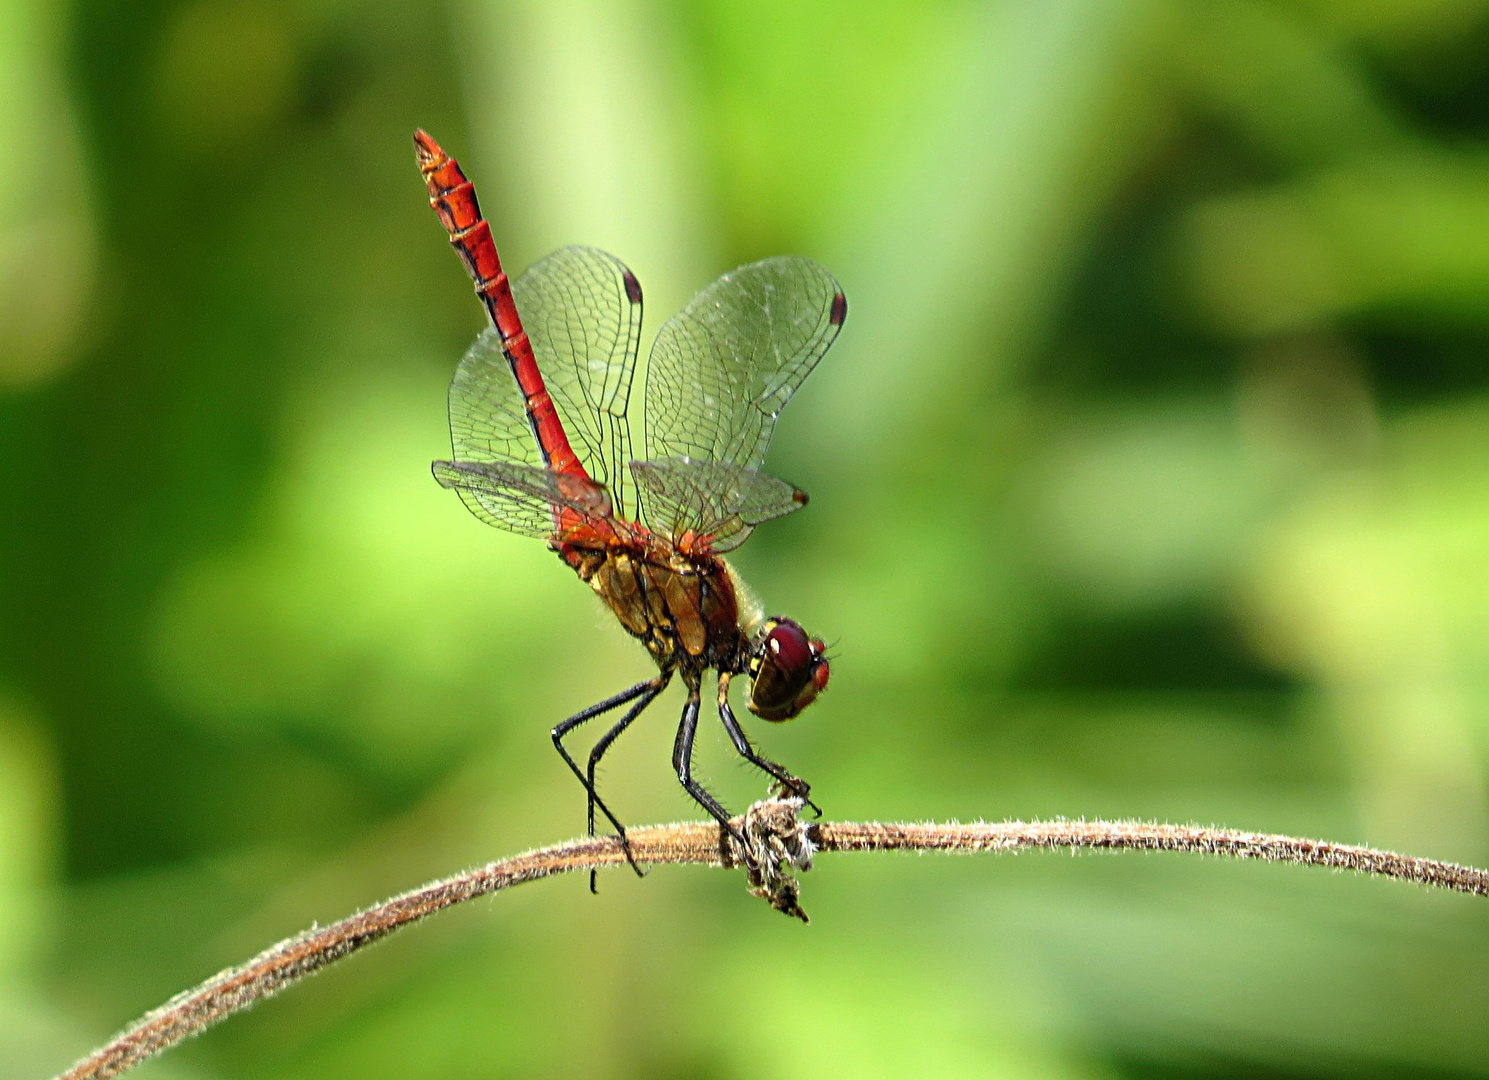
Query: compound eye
[{"x": 790, "y": 649}]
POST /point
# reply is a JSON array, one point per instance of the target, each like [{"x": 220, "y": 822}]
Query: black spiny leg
[
  {"x": 590, "y": 713},
  {"x": 654, "y": 687},
  {"x": 682, "y": 761},
  {"x": 795, "y": 785}
]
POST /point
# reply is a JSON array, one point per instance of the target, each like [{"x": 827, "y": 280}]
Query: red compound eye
[
  {"x": 790, "y": 649},
  {"x": 819, "y": 672}
]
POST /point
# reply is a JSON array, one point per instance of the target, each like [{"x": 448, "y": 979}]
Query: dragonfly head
[{"x": 787, "y": 670}]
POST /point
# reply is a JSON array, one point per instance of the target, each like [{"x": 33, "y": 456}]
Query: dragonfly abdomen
[{"x": 453, "y": 198}]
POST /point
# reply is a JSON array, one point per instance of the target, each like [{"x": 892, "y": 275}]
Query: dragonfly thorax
[{"x": 682, "y": 607}]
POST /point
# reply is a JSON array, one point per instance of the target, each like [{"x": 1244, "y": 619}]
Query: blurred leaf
[{"x": 47, "y": 248}]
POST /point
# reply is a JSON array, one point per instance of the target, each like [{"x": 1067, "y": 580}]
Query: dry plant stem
[{"x": 238, "y": 988}]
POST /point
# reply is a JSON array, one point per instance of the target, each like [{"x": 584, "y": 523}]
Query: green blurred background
[{"x": 1150, "y": 479}]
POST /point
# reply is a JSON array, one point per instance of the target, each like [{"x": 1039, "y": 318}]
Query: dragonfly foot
[
  {"x": 798, "y": 790},
  {"x": 625, "y": 846}
]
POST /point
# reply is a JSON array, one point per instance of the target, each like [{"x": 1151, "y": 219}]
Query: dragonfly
[{"x": 541, "y": 433}]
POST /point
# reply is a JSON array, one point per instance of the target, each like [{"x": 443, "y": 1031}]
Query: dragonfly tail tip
[{"x": 427, "y": 150}]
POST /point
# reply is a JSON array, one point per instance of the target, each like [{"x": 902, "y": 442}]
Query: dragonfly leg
[
  {"x": 654, "y": 687},
  {"x": 573, "y": 722},
  {"x": 794, "y": 784},
  {"x": 682, "y": 761}
]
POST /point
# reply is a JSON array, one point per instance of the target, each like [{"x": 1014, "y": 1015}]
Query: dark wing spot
[
  {"x": 633, "y": 288},
  {"x": 839, "y": 310}
]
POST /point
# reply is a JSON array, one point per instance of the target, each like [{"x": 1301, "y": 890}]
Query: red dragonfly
[{"x": 542, "y": 446}]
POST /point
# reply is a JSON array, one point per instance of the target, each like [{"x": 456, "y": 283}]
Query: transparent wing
[
  {"x": 724, "y": 367},
  {"x": 524, "y": 498},
  {"x": 581, "y": 309},
  {"x": 488, "y": 421},
  {"x": 712, "y": 498}
]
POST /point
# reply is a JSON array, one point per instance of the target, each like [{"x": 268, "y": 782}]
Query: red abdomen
[{"x": 453, "y": 198}]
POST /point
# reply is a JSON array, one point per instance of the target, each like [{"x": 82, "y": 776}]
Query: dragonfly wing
[
  {"x": 581, "y": 309},
  {"x": 525, "y": 499},
  {"x": 718, "y": 499},
  {"x": 488, "y": 421},
  {"x": 724, "y": 367}
]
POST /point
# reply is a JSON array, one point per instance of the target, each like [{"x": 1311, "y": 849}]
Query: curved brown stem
[
  {"x": 1144, "y": 836},
  {"x": 195, "y": 1010}
]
